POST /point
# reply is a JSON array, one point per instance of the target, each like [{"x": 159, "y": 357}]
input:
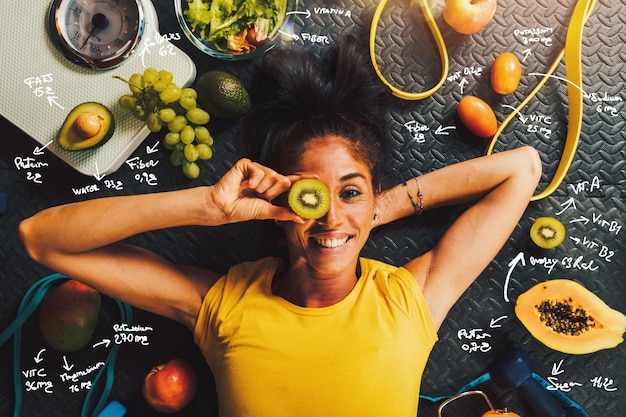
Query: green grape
[
  {"x": 177, "y": 158},
  {"x": 177, "y": 124},
  {"x": 139, "y": 112},
  {"x": 180, "y": 146},
  {"x": 191, "y": 153},
  {"x": 127, "y": 102},
  {"x": 166, "y": 76},
  {"x": 198, "y": 116},
  {"x": 187, "y": 134},
  {"x": 190, "y": 92},
  {"x": 187, "y": 102},
  {"x": 154, "y": 123},
  {"x": 172, "y": 138},
  {"x": 171, "y": 93},
  {"x": 150, "y": 104},
  {"x": 191, "y": 169},
  {"x": 203, "y": 135},
  {"x": 204, "y": 151},
  {"x": 167, "y": 114},
  {"x": 150, "y": 76},
  {"x": 177, "y": 108},
  {"x": 136, "y": 83},
  {"x": 159, "y": 86}
]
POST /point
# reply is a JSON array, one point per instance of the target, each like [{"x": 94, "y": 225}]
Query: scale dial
[{"x": 98, "y": 34}]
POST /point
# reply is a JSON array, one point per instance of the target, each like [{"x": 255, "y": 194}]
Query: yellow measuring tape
[{"x": 573, "y": 73}]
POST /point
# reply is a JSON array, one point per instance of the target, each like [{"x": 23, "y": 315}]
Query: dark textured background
[{"x": 410, "y": 60}]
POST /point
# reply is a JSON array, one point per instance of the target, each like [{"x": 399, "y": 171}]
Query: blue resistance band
[
  {"x": 28, "y": 305},
  {"x": 486, "y": 377}
]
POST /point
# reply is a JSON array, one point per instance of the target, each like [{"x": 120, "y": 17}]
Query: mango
[{"x": 68, "y": 317}]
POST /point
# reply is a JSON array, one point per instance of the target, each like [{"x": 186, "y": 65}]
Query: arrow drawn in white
[
  {"x": 522, "y": 118},
  {"x": 39, "y": 150},
  {"x": 556, "y": 368},
  {"x": 52, "y": 100},
  {"x": 38, "y": 357},
  {"x": 442, "y": 130},
  {"x": 570, "y": 202},
  {"x": 307, "y": 13},
  {"x": 97, "y": 174},
  {"x": 561, "y": 79},
  {"x": 494, "y": 324},
  {"x": 152, "y": 149},
  {"x": 105, "y": 342},
  {"x": 581, "y": 219},
  {"x": 66, "y": 366},
  {"x": 290, "y": 35},
  {"x": 463, "y": 83},
  {"x": 518, "y": 259}
]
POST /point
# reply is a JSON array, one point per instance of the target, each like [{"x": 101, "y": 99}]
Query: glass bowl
[{"x": 246, "y": 39}]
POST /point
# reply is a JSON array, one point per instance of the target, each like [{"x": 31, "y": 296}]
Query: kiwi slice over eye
[
  {"x": 309, "y": 198},
  {"x": 547, "y": 232}
]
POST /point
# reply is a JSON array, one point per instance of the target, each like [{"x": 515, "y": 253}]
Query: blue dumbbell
[{"x": 514, "y": 371}]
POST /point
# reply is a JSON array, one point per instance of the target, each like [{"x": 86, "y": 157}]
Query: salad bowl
[{"x": 235, "y": 29}]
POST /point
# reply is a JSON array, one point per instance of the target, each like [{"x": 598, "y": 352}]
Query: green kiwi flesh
[
  {"x": 309, "y": 198},
  {"x": 547, "y": 232}
]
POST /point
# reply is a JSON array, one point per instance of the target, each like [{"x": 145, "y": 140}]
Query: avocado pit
[{"x": 88, "y": 124}]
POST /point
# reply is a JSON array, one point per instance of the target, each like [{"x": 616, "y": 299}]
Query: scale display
[{"x": 97, "y": 34}]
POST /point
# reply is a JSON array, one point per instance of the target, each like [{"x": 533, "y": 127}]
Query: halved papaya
[{"x": 567, "y": 317}]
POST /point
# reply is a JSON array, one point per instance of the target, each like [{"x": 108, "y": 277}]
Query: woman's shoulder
[
  {"x": 374, "y": 266},
  {"x": 246, "y": 273}
]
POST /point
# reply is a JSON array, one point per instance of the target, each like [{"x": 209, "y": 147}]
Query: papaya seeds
[
  {"x": 68, "y": 317},
  {"x": 567, "y": 317}
]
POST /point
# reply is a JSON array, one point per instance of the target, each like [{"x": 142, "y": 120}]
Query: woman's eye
[{"x": 350, "y": 193}]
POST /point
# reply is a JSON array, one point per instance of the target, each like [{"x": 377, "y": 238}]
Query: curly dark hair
[{"x": 298, "y": 95}]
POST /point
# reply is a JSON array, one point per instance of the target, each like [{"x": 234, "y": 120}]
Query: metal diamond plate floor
[{"x": 591, "y": 202}]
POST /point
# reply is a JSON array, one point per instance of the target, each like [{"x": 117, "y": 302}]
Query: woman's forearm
[
  {"x": 80, "y": 227},
  {"x": 461, "y": 183}
]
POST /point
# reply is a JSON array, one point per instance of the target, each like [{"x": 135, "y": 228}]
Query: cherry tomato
[
  {"x": 477, "y": 116},
  {"x": 506, "y": 72}
]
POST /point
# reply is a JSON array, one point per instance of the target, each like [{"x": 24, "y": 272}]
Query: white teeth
[{"x": 331, "y": 243}]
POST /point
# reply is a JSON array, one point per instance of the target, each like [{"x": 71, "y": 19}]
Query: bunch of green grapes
[{"x": 159, "y": 102}]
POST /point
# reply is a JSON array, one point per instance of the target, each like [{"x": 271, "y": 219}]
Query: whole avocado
[
  {"x": 222, "y": 95},
  {"x": 68, "y": 317}
]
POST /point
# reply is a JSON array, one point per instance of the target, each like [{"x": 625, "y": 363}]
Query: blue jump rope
[{"x": 37, "y": 292}]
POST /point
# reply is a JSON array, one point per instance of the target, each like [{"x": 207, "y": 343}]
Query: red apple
[
  {"x": 469, "y": 16},
  {"x": 169, "y": 387}
]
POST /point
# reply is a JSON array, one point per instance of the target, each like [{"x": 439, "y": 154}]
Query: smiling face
[{"x": 330, "y": 246}]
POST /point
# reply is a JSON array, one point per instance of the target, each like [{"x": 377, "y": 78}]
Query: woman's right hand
[{"x": 246, "y": 192}]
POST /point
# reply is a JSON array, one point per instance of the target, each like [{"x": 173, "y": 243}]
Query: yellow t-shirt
[{"x": 361, "y": 357}]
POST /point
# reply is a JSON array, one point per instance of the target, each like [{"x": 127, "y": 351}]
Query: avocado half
[{"x": 70, "y": 136}]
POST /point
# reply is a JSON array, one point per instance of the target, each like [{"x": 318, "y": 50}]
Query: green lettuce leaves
[{"x": 226, "y": 23}]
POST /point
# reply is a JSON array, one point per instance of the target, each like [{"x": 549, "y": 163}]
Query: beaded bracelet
[{"x": 419, "y": 206}]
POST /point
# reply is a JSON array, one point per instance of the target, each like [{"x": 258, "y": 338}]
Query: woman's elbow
[
  {"x": 28, "y": 235},
  {"x": 532, "y": 164}
]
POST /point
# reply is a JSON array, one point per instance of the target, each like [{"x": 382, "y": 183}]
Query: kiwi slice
[
  {"x": 547, "y": 232},
  {"x": 309, "y": 198}
]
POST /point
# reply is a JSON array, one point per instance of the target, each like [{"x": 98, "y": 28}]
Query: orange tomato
[
  {"x": 500, "y": 413},
  {"x": 506, "y": 72},
  {"x": 477, "y": 116}
]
